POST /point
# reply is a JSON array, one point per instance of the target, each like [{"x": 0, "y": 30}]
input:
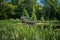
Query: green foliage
[
  {"x": 13, "y": 30},
  {"x": 7, "y": 10},
  {"x": 33, "y": 17},
  {"x": 50, "y": 9},
  {"x": 31, "y": 9},
  {"x": 25, "y": 13}
]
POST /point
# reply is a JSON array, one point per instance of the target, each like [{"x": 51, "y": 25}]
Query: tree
[
  {"x": 27, "y": 5},
  {"x": 7, "y": 10},
  {"x": 25, "y": 13},
  {"x": 38, "y": 11},
  {"x": 33, "y": 17},
  {"x": 50, "y": 7}
]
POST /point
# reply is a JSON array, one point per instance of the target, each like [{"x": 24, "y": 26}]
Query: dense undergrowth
[{"x": 14, "y": 30}]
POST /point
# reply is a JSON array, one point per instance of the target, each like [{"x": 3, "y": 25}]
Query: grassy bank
[{"x": 12, "y": 30}]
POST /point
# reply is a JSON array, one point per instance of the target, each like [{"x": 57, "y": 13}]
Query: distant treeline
[{"x": 31, "y": 9}]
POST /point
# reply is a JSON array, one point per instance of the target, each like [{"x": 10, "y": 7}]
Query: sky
[
  {"x": 8, "y": 0},
  {"x": 42, "y": 4},
  {"x": 37, "y": 1}
]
